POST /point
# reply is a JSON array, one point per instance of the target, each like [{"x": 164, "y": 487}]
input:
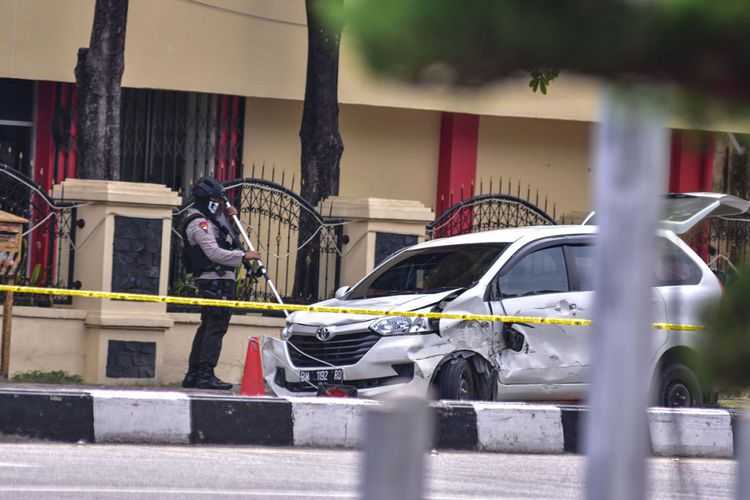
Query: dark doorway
[{"x": 16, "y": 109}]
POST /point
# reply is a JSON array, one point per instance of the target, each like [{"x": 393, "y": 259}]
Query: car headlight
[
  {"x": 288, "y": 331},
  {"x": 401, "y": 325}
]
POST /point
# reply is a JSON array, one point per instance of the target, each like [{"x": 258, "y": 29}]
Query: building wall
[
  {"x": 388, "y": 152},
  {"x": 243, "y": 47},
  {"x": 551, "y": 155},
  {"x": 272, "y": 138},
  {"x": 49, "y": 339},
  {"x": 255, "y": 48}
]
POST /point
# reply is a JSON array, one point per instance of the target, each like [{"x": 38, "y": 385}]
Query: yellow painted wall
[
  {"x": 388, "y": 152},
  {"x": 551, "y": 155},
  {"x": 272, "y": 137},
  {"x": 48, "y": 339},
  {"x": 253, "y": 48},
  {"x": 242, "y": 47}
]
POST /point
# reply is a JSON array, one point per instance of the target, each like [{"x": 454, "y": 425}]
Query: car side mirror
[{"x": 341, "y": 292}]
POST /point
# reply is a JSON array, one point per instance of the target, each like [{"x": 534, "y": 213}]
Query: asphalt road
[{"x": 46, "y": 471}]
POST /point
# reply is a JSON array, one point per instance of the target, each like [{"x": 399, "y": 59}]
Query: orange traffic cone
[{"x": 252, "y": 377}]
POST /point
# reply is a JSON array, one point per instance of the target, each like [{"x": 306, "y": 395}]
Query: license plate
[{"x": 332, "y": 376}]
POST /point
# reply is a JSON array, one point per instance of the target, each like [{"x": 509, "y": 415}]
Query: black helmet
[{"x": 207, "y": 187}]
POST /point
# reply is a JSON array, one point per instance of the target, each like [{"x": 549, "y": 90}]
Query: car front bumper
[{"x": 399, "y": 363}]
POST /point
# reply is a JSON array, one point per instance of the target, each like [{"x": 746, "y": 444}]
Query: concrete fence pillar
[
  {"x": 122, "y": 246},
  {"x": 374, "y": 229}
]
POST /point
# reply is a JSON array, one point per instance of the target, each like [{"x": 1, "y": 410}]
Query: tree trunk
[
  {"x": 98, "y": 76},
  {"x": 321, "y": 142}
]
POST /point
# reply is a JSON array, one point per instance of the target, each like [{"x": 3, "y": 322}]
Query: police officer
[{"x": 212, "y": 254}]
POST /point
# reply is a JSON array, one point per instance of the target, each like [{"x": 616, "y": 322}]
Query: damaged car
[{"x": 542, "y": 271}]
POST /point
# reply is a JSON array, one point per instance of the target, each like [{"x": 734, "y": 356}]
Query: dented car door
[{"x": 536, "y": 283}]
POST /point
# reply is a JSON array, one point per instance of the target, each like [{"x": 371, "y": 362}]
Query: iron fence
[
  {"x": 498, "y": 210},
  {"x": 305, "y": 265},
  {"x": 48, "y": 248},
  {"x": 728, "y": 247}
]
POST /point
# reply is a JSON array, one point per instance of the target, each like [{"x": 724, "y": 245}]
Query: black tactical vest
[{"x": 195, "y": 260}]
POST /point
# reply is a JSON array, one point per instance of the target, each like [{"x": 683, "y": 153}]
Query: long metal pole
[
  {"x": 397, "y": 436},
  {"x": 631, "y": 155},
  {"x": 250, "y": 247},
  {"x": 743, "y": 458}
]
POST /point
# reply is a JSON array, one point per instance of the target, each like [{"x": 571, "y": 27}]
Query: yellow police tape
[{"x": 265, "y": 306}]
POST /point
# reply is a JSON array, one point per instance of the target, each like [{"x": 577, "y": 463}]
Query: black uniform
[{"x": 213, "y": 253}]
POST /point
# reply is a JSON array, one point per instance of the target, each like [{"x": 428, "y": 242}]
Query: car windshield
[{"x": 430, "y": 270}]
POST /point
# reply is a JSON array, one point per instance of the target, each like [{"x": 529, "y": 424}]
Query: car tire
[
  {"x": 457, "y": 381},
  {"x": 679, "y": 387}
]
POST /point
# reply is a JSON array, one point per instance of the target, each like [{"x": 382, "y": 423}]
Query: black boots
[
  {"x": 204, "y": 379},
  {"x": 189, "y": 381}
]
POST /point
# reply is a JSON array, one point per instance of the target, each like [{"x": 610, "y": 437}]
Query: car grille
[{"x": 339, "y": 351}]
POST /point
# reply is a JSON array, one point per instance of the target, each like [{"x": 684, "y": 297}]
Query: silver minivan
[{"x": 530, "y": 271}]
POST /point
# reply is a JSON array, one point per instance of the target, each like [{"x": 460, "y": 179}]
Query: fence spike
[
  {"x": 537, "y": 197},
  {"x": 252, "y": 174},
  {"x": 528, "y": 193},
  {"x": 491, "y": 185},
  {"x": 273, "y": 173},
  {"x": 263, "y": 171}
]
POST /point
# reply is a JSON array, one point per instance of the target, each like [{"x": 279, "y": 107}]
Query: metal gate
[
  {"x": 275, "y": 216},
  {"x": 173, "y": 138},
  {"x": 47, "y": 257},
  {"x": 487, "y": 212}
]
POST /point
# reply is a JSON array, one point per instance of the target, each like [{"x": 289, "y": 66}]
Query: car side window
[
  {"x": 581, "y": 264},
  {"x": 538, "y": 273},
  {"x": 674, "y": 267}
]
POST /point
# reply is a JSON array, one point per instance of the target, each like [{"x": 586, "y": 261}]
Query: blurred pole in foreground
[
  {"x": 397, "y": 436},
  {"x": 631, "y": 155},
  {"x": 743, "y": 457}
]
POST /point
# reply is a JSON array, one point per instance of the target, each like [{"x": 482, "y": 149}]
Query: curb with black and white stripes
[{"x": 130, "y": 416}]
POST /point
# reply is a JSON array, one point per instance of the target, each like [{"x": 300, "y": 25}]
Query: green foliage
[
  {"x": 540, "y": 80},
  {"x": 36, "y": 273},
  {"x": 50, "y": 377},
  {"x": 699, "y": 45},
  {"x": 726, "y": 346},
  {"x": 185, "y": 287}
]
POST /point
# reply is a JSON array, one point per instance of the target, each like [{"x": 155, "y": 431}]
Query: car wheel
[
  {"x": 457, "y": 381},
  {"x": 679, "y": 387}
]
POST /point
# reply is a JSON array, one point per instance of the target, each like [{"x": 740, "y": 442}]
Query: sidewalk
[{"x": 95, "y": 414}]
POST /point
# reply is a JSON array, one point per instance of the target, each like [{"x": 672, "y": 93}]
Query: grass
[
  {"x": 42, "y": 377},
  {"x": 737, "y": 401}
]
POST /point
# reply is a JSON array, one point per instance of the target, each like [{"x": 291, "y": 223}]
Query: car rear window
[{"x": 674, "y": 267}]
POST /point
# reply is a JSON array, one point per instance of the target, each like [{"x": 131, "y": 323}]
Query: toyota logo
[{"x": 323, "y": 334}]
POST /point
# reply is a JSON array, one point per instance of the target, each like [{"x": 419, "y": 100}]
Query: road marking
[
  {"x": 202, "y": 491},
  {"x": 16, "y": 465}
]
